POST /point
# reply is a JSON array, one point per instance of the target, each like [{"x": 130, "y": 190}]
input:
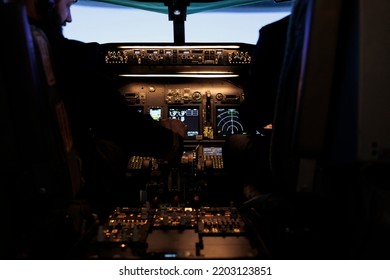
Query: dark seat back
[
  {"x": 330, "y": 132},
  {"x": 297, "y": 217},
  {"x": 40, "y": 170},
  {"x": 305, "y": 90}
]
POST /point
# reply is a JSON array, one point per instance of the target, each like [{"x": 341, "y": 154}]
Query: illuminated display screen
[
  {"x": 228, "y": 121},
  {"x": 155, "y": 113},
  {"x": 212, "y": 151},
  {"x": 189, "y": 116}
]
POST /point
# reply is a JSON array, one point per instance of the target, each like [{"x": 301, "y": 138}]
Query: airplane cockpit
[{"x": 327, "y": 150}]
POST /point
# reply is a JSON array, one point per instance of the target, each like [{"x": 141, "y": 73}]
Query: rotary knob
[
  {"x": 219, "y": 96},
  {"x": 196, "y": 95}
]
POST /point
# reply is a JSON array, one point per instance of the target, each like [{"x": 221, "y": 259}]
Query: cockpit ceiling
[{"x": 195, "y": 6}]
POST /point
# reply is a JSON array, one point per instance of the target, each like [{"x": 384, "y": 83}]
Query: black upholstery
[
  {"x": 40, "y": 175},
  {"x": 316, "y": 145},
  {"x": 296, "y": 221}
]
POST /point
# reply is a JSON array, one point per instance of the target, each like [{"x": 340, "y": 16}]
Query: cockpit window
[{"x": 104, "y": 23}]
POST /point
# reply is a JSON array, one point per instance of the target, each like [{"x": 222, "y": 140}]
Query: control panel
[
  {"x": 191, "y": 54},
  {"x": 199, "y": 84},
  {"x": 143, "y": 232},
  {"x": 199, "y": 174},
  {"x": 184, "y": 212}
]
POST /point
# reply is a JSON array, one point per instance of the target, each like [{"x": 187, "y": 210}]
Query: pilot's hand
[{"x": 175, "y": 125}]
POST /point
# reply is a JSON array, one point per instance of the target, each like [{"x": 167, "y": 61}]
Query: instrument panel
[
  {"x": 208, "y": 108},
  {"x": 199, "y": 84},
  {"x": 182, "y": 211}
]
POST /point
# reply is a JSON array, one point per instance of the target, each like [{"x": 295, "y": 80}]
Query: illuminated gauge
[
  {"x": 196, "y": 95},
  {"x": 228, "y": 121},
  {"x": 177, "y": 113}
]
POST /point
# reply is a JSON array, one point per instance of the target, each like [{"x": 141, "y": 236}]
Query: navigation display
[{"x": 228, "y": 121}]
